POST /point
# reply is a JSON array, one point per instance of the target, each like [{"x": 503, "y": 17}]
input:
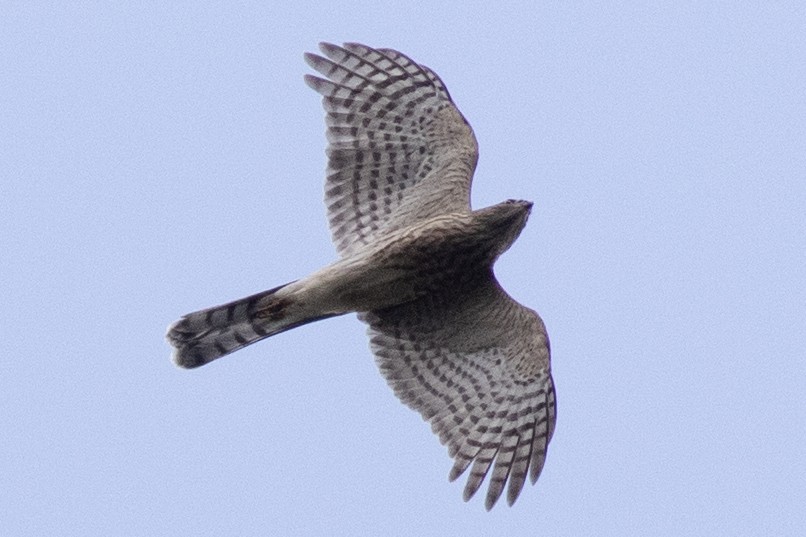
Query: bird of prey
[{"x": 415, "y": 262}]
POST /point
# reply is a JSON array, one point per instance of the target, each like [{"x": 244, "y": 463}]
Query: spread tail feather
[{"x": 199, "y": 338}]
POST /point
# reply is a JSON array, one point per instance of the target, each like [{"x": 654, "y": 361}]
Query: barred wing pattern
[
  {"x": 416, "y": 264},
  {"x": 399, "y": 150},
  {"x": 475, "y": 364}
]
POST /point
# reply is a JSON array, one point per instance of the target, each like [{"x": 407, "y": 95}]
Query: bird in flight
[{"x": 416, "y": 264}]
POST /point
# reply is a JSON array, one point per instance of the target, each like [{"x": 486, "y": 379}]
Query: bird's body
[
  {"x": 416, "y": 265},
  {"x": 442, "y": 255}
]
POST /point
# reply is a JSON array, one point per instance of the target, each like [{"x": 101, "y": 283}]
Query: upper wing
[
  {"x": 399, "y": 150},
  {"x": 476, "y": 365}
]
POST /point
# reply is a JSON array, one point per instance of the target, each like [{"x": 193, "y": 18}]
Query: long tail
[{"x": 200, "y": 337}]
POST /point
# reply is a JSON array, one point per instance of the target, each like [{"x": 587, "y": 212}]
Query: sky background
[{"x": 160, "y": 157}]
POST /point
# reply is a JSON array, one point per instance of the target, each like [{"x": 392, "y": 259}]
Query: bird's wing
[
  {"x": 399, "y": 150},
  {"x": 476, "y": 365}
]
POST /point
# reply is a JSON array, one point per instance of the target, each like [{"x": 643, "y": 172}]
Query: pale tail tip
[
  {"x": 183, "y": 355},
  {"x": 181, "y": 361}
]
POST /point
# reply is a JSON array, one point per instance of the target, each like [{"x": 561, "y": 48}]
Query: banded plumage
[{"x": 416, "y": 264}]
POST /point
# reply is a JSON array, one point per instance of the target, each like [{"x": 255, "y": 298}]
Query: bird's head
[{"x": 502, "y": 223}]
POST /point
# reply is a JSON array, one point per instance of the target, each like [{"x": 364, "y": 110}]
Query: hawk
[{"x": 415, "y": 262}]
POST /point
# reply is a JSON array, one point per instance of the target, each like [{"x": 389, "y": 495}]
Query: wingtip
[
  {"x": 314, "y": 60},
  {"x": 312, "y": 81},
  {"x": 310, "y": 58},
  {"x": 534, "y": 472},
  {"x": 327, "y": 48},
  {"x": 512, "y": 495},
  {"x": 353, "y": 45}
]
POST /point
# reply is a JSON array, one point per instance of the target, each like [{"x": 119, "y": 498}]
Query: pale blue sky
[{"x": 156, "y": 160}]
